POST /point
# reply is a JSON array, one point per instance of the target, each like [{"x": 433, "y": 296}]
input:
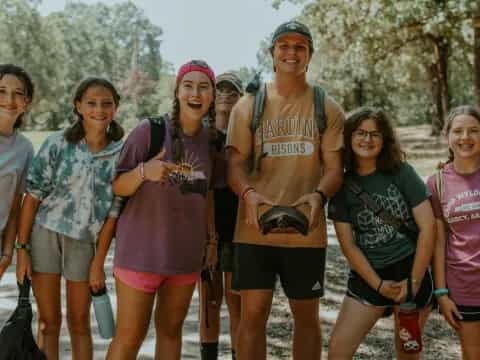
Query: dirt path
[{"x": 440, "y": 342}]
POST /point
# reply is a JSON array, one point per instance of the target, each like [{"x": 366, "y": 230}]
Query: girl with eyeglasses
[
  {"x": 229, "y": 89},
  {"x": 456, "y": 203},
  {"x": 165, "y": 233},
  {"x": 16, "y": 152},
  {"x": 69, "y": 195},
  {"x": 381, "y": 256}
]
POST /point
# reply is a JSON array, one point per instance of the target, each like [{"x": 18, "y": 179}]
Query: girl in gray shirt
[{"x": 16, "y": 151}]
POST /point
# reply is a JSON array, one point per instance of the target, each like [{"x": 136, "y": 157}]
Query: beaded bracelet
[{"x": 440, "y": 292}]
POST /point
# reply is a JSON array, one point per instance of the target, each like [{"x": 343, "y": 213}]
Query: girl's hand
[
  {"x": 389, "y": 290},
  {"x": 403, "y": 290},
  {"x": 252, "y": 201},
  {"x": 24, "y": 265},
  {"x": 156, "y": 169},
  {"x": 5, "y": 261},
  {"x": 449, "y": 311},
  {"x": 211, "y": 255},
  {"x": 96, "y": 277}
]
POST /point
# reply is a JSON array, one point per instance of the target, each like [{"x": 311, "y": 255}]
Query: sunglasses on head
[{"x": 200, "y": 63}]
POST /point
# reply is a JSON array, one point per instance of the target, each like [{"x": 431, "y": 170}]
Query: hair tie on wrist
[
  {"x": 245, "y": 192},
  {"x": 380, "y": 285}
]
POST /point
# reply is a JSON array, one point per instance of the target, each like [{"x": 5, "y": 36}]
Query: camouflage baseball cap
[
  {"x": 293, "y": 26},
  {"x": 231, "y": 78}
]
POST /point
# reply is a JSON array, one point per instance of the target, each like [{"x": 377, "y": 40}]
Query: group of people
[{"x": 169, "y": 195}]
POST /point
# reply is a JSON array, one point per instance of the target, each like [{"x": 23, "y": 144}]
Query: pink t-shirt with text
[{"x": 460, "y": 206}]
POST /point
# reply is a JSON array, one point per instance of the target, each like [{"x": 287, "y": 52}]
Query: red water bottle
[{"x": 409, "y": 328}]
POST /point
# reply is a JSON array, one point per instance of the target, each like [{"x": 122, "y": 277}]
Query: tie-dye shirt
[{"x": 73, "y": 185}]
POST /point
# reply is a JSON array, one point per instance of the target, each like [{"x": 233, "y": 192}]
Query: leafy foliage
[
  {"x": 117, "y": 42},
  {"x": 414, "y": 58}
]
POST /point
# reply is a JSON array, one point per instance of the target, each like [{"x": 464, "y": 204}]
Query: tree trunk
[
  {"x": 439, "y": 78},
  {"x": 358, "y": 93},
  {"x": 476, "y": 56},
  {"x": 437, "y": 109}
]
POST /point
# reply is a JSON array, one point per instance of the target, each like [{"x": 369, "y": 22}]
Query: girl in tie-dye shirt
[{"x": 68, "y": 197}]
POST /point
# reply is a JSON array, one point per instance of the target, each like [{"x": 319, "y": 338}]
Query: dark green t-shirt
[{"x": 398, "y": 192}]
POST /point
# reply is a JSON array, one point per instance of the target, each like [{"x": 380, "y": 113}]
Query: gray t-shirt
[{"x": 16, "y": 153}]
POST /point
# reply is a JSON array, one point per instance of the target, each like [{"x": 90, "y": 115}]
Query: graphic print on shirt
[
  {"x": 302, "y": 133},
  {"x": 464, "y": 206},
  {"x": 189, "y": 177},
  {"x": 372, "y": 230}
]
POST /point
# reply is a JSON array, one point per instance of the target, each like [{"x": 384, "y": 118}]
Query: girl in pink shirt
[{"x": 456, "y": 204}]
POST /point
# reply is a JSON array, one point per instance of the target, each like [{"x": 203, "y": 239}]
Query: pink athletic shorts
[{"x": 149, "y": 282}]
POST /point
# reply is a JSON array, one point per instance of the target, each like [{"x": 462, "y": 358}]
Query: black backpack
[
  {"x": 259, "y": 90},
  {"x": 157, "y": 135},
  {"x": 16, "y": 338}
]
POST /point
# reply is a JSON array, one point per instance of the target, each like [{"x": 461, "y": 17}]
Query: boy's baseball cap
[{"x": 292, "y": 26}]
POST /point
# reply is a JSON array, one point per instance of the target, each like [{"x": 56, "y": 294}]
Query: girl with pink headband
[{"x": 163, "y": 237}]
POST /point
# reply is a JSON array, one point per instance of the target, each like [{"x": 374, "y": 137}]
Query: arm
[
  {"x": 237, "y": 179},
  {"x": 27, "y": 217},
  {"x": 329, "y": 184},
  {"x": 425, "y": 221},
  {"x": 447, "y": 306},
  {"x": 359, "y": 263},
  {"x": 155, "y": 169},
  {"x": 332, "y": 178},
  {"x": 10, "y": 233},
  {"x": 212, "y": 241},
  {"x": 439, "y": 255},
  {"x": 97, "y": 273}
]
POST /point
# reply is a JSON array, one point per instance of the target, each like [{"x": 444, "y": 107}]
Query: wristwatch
[
  {"x": 19, "y": 246},
  {"x": 323, "y": 196}
]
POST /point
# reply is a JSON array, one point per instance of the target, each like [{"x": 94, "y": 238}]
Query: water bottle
[
  {"x": 103, "y": 313},
  {"x": 409, "y": 327}
]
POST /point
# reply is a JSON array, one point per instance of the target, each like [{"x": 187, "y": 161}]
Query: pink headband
[{"x": 195, "y": 65}]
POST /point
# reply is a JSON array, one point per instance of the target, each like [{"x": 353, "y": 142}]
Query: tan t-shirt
[{"x": 293, "y": 166}]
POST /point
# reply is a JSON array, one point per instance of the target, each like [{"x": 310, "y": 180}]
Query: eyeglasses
[
  {"x": 363, "y": 134},
  {"x": 224, "y": 91}
]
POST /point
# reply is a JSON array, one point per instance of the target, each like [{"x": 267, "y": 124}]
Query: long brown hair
[
  {"x": 25, "y": 79},
  {"x": 459, "y": 110},
  {"x": 76, "y": 131},
  {"x": 391, "y": 155}
]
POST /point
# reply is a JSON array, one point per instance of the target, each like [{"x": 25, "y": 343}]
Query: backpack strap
[
  {"x": 157, "y": 135},
  {"x": 439, "y": 184},
  {"x": 440, "y": 189},
  {"x": 319, "y": 108},
  {"x": 258, "y": 106},
  {"x": 386, "y": 217}
]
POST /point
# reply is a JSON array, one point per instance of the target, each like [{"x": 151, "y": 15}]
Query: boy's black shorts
[{"x": 300, "y": 270}]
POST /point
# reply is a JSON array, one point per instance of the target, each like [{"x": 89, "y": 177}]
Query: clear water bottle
[{"x": 103, "y": 313}]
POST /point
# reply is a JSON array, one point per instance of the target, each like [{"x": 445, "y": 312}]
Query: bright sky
[{"x": 226, "y": 33}]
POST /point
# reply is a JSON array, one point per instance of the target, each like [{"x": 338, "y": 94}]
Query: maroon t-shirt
[{"x": 163, "y": 227}]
